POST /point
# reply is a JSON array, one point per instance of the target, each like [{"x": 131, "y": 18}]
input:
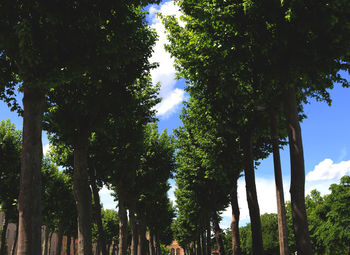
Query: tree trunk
[
  {"x": 68, "y": 244},
  {"x": 74, "y": 246},
  {"x": 59, "y": 239},
  {"x": 29, "y": 200},
  {"x": 123, "y": 221},
  {"x": 3, "y": 250},
  {"x": 14, "y": 245},
  {"x": 218, "y": 235},
  {"x": 141, "y": 248},
  {"x": 236, "y": 245},
  {"x": 157, "y": 244},
  {"x": 281, "y": 210},
  {"x": 113, "y": 248},
  {"x": 101, "y": 235},
  {"x": 152, "y": 249},
  {"x": 297, "y": 184},
  {"x": 133, "y": 227},
  {"x": 252, "y": 198},
  {"x": 203, "y": 240},
  {"x": 50, "y": 244},
  {"x": 46, "y": 240},
  {"x": 208, "y": 237},
  {"x": 82, "y": 194}
]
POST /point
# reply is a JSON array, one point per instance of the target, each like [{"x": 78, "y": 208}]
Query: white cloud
[
  {"x": 328, "y": 170},
  {"x": 169, "y": 104},
  {"x": 324, "y": 174},
  {"x": 266, "y": 192},
  {"x": 165, "y": 73},
  {"x": 46, "y": 148},
  {"x": 107, "y": 199}
]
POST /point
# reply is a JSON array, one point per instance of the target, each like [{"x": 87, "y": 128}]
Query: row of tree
[
  {"x": 328, "y": 217},
  {"x": 84, "y": 72},
  {"x": 249, "y": 67}
]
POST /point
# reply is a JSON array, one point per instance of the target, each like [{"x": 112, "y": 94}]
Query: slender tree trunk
[
  {"x": 208, "y": 237},
  {"x": 46, "y": 240},
  {"x": 50, "y": 243},
  {"x": 236, "y": 243},
  {"x": 218, "y": 235},
  {"x": 101, "y": 235},
  {"x": 152, "y": 249},
  {"x": 281, "y": 210},
  {"x": 68, "y": 244},
  {"x": 14, "y": 245},
  {"x": 74, "y": 246},
  {"x": 29, "y": 200},
  {"x": 134, "y": 235},
  {"x": 203, "y": 240},
  {"x": 113, "y": 248},
  {"x": 59, "y": 239},
  {"x": 82, "y": 194},
  {"x": 123, "y": 221},
  {"x": 297, "y": 184},
  {"x": 142, "y": 248},
  {"x": 158, "y": 250},
  {"x": 3, "y": 250},
  {"x": 252, "y": 198}
]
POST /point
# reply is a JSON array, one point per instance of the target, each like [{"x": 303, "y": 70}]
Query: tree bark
[
  {"x": 218, "y": 235},
  {"x": 208, "y": 237},
  {"x": 236, "y": 245},
  {"x": 46, "y": 240},
  {"x": 252, "y": 199},
  {"x": 152, "y": 249},
  {"x": 281, "y": 210},
  {"x": 74, "y": 246},
  {"x": 134, "y": 236},
  {"x": 59, "y": 239},
  {"x": 123, "y": 221},
  {"x": 142, "y": 248},
  {"x": 82, "y": 194},
  {"x": 297, "y": 184},
  {"x": 14, "y": 245},
  {"x": 68, "y": 244},
  {"x": 3, "y": 250},
  {"x": 97, "y": 207},
  {"x": 50, "y": 246},
  {"x": 29, "y": 200}
]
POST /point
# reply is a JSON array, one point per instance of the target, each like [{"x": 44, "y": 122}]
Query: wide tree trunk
[
  {"x": 134, "y": 235},
  {"x": 252, "y": 199},
  {"x": 59, "y": 239},
  {"x": 82, "y": 194},
  {"x": 123, "y": 221},
  {"x": 236, "y": 245},
  {"x": 218, "y": 235},
  {"x": 281, "y": 210},
  {"x": 3, "y": 250},
  {"x": 97, "y": 207},
  {"x": 297, "y": 179},
  {"x": 29, "y": 200},
  {"x": 14, "y": 245}
]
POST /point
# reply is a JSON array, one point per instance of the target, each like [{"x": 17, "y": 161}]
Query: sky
[{"x": 326, "y": 134}]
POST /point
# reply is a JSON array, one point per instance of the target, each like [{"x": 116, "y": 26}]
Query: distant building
[{"x": 175, "y": 248}]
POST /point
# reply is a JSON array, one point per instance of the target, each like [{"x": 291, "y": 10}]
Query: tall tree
[{"x": 10, "y": 160}]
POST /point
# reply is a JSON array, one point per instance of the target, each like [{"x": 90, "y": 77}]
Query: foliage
[
  {"x": 10, "y": 161},
  {"x": 110, "y": 225}
]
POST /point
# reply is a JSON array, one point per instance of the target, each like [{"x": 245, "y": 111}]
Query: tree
[
  {"x": 329, "y": 218},
  {"x": 31, "y": 53},
  {"x": 10, "y": 154}
]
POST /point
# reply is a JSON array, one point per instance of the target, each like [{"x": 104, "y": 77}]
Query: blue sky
[{"x": 326, "y": 135}]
